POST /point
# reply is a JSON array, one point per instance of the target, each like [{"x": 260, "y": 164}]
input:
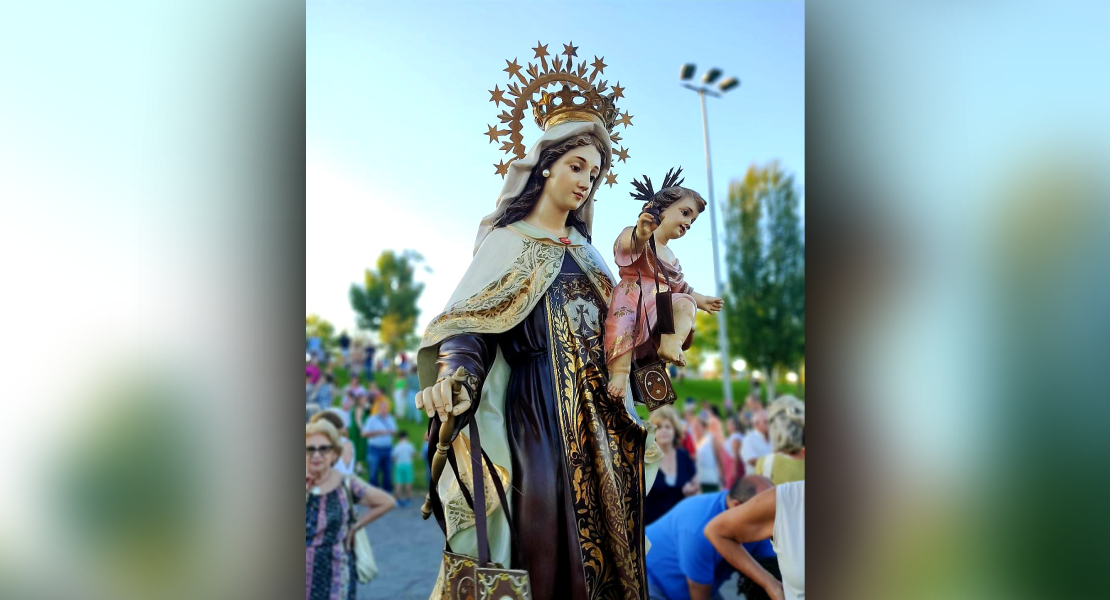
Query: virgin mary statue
[{"x": 526, "y": 325}]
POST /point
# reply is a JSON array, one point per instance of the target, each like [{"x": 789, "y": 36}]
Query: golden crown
[{"x": 580, "y": 98}]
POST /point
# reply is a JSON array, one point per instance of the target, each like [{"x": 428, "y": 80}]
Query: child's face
[{"x": 678, "y": 218}]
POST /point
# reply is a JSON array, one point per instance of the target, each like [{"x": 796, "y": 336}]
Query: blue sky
[{"x": 398, "y": 102}]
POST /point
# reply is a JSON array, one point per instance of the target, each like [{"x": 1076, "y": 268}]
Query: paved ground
[{"x": 409, "y": 549}]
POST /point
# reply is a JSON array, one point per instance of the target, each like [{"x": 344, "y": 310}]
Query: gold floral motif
[
  {"x": 504, "y": 302},
  {"x": 457, "y": 513},
  {"x": 587, "y": 257},
  {"x": 604, "y": 452},
  {"x": 498, "y": 584}
]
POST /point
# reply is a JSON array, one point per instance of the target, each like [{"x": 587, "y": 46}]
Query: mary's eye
[{"x": 575, "y": 168}]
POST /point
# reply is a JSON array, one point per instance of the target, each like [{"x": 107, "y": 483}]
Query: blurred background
[{"x": 150, "y": 216}]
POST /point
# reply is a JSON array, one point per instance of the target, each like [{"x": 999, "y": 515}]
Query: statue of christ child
[{"x": 630, "y": 326}]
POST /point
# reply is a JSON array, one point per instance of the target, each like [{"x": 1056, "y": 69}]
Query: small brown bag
[
  {"x": 653, "y": 385},
  {"x": 466, "y": 577}
]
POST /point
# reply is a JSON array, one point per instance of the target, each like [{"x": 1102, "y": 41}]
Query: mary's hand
[{"x": 446, "y": 397}]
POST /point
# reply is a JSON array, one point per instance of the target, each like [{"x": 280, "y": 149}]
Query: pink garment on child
[{"x": 621, "y": 331}]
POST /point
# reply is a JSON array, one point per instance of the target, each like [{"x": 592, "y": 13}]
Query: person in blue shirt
[{"x": 682, "y": 564}]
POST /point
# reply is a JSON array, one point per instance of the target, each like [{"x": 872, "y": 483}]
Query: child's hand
[
  {"x": 646, "y": 225},
  {"x": 708, "y": 303}
]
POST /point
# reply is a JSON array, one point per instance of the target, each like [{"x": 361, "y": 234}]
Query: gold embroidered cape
[{"x": 511, "y": 273}]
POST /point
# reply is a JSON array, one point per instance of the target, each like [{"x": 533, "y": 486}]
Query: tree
[
  {"x": 766, "y": 271},
  {"x": 705, "y": 338},
  {"x": 386, "y": 302},
  {"x": 315, "y": 325}
]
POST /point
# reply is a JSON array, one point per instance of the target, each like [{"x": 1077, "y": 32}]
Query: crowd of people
[
  {"x": 374, "y": 447},
  {"x": 728, "y": 484},
  {"x": 355, "y": 456},
  {"x": 710, "y": 470}
]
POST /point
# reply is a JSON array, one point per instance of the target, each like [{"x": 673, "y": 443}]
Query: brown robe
[{"x": 578, "y": 456}]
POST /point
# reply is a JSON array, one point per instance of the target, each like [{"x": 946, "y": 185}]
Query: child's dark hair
[
  {"x": 402, "y": 436},
  {"x": 671, "y": 192}
]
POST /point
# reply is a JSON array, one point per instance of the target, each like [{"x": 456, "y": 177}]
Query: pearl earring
[{"x": 546, "y": 173}]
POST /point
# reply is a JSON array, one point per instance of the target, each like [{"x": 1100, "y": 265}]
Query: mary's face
[{"x": 572, "y": 177}]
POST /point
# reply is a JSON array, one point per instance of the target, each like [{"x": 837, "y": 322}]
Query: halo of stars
[{"x": 530, "y": 79}]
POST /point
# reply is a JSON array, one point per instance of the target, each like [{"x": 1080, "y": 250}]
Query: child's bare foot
[
  {"x": 670, "y": 350},
  {"x": 617, "y": 384}
]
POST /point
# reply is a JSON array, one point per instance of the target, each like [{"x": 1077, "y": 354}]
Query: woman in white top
[
  {"x": 709, "y": 472},
  {"x": 780, "y": 514}
]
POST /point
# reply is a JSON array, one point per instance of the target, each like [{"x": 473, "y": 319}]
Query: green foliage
[
  {"x": 766, "y": 270},
  {"x": 315, "y": 325},
  {"x": 713, "y": 391},
  {"x": 386, "y": 301},
  {"x": 706, "y": 330}
]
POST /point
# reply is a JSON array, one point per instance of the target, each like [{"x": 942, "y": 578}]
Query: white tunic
[{"x": 790, "y": 537}]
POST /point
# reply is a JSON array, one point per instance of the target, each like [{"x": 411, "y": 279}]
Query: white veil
[{"x": 520, "y": 170}]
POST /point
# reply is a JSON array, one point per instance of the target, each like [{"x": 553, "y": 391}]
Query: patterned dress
[
  {"x": 622, "y": 332},
  {"x": 329, "y": 568}
]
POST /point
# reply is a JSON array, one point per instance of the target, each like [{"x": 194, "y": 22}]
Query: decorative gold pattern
[
  {"x": 503, "y": 584},
  {"x": 456, "y": 512},
  {"x": 505, "y": 301},
  {"x": 579, "y": 98},
  {"x": 603, "y": 447},
  {"x": 591, "y": 263},
  {"x": 458, "y": 577}
]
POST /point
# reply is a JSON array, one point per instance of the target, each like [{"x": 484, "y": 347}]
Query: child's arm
[{"x": 709, "y": 304}]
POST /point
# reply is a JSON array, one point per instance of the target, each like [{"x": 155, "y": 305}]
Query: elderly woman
[
  {"x": 346, "y": 463},
  {"x": 677, "y": 477},
  {"x": 787, "y": 429},
  {"x": 330, "y": 523}
]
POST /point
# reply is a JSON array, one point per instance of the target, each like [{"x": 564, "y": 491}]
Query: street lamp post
[{"x": 703, "y": 90}]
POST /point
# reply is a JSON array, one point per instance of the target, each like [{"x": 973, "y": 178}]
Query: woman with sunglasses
[{"x": 330, "y": 522}]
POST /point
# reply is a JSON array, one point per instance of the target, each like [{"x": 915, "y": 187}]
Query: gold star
[
  {"x": 598, "y": 64},
  {"x": 541, "y": 49},
  {"x": 622, "y": 155},
  {"x": 626, "y": 119},
  {"x": 502, "y": 168},
  {"x": 570, "y": 50},
  {"x": 615, "y": 136},
  {"x": 610, "y": 179},
  {"x": 618, "y": 91},
  {"x": 512, "y": 69},
  {"x": 497, "y": 96},
  {"x": 494, "y": 133}
]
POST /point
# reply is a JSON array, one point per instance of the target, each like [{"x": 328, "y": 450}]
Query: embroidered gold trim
[
  {"x": 603, "y": 448},
  {"x": 504, "y": 302},
  {"x": 456, "y": 512},
  {"x": 591, "y": 263}
]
